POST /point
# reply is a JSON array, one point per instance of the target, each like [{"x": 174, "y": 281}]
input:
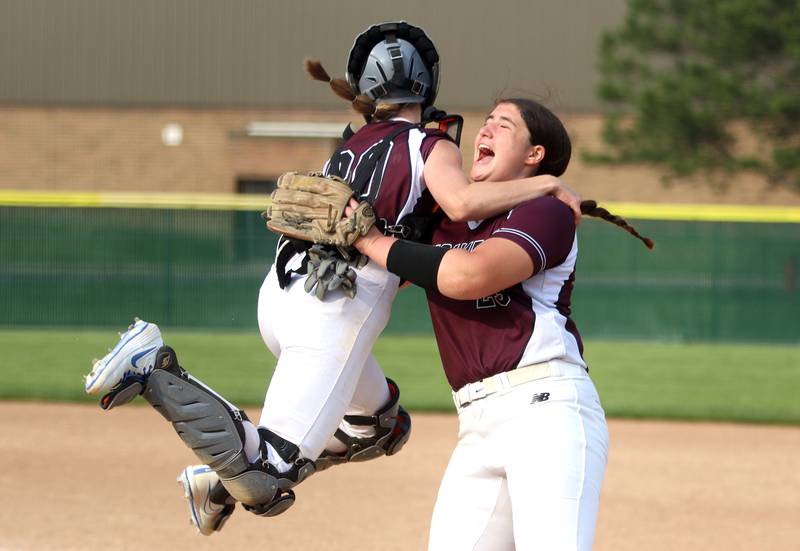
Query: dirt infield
[{"x": 76, "y": 478}]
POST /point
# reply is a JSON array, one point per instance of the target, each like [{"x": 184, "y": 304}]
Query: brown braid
[
  {"x": 387, "y": 110},
  {"x": 361, "y": 103},
  {"x": 315, "y": 69},
  {"x": 590, "y": 208}
]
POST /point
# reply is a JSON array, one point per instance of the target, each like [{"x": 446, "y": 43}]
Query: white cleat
[
  {"x": 207, "y": 517},
  {"x": 135, "y": 354}
]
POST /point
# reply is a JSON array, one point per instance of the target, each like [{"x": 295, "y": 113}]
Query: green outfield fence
[{"x": 717, "y": 273}]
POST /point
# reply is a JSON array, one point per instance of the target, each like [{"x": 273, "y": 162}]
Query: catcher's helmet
[{"x": 394, "y": 63}]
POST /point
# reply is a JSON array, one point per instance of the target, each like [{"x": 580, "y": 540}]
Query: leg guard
[
  {"x": 301, "y": 469},
  {"x": 392, "y": 430},
  {"x": 212, "y": 429}
]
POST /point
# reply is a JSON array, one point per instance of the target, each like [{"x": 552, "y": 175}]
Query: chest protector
[{"x": 288, "y": 248}]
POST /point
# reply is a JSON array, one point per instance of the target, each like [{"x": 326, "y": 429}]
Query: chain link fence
[{"x": 97, "y": 267}]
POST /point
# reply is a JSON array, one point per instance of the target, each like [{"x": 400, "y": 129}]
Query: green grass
[{"x": 723, "y": 382}]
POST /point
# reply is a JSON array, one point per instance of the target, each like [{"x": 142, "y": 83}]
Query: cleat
[
  {"x": 124, "y": 392},
  {"x": 134, "y": 356},
  {"x": 198, "y": 482}
]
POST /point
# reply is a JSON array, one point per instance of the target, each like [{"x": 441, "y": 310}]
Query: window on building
[{"x": 255, "y": 184}]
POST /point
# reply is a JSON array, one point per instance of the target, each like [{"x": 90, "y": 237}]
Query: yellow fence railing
[{"x": 221, "y": 201}]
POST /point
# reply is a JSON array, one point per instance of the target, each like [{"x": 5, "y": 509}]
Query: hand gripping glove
[{"x": 311, "y": 207}]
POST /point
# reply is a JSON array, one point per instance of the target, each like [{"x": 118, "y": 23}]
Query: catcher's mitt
[{"x": 311, "y": 207}]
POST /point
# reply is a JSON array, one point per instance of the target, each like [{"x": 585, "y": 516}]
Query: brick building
[{"x": 195, "y": 95}]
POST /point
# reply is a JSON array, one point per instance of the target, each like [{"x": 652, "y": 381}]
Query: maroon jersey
[
  {"x": 526, "y": 324},
  {"x": 395, "y": 186}
]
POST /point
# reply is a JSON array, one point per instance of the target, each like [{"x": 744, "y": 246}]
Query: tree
[{"x": 680, "y": 78}]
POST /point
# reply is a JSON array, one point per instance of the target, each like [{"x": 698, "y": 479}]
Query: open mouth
[{"x": 484, "y": 153}]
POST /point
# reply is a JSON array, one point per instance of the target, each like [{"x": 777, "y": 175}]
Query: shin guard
[
  {"x": 211, "y": 427},
  {"x": 392, "y": 430}
]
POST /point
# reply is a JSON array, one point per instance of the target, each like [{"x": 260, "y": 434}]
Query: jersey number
[
  {"x": 343, "y": 164},
  {"x": 493, "y": 301}
]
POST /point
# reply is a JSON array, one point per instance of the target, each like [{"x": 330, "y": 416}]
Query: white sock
[
  {"x": 276, "y": 460},
  {"x": 252, "y": 442},
  {"x": 372, "y": 393},
  {"x": 335, "y": 446},
  {"x": 252, "y": 449}
]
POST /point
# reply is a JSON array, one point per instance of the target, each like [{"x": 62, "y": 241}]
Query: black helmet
[{"x": 394, "y": 62}]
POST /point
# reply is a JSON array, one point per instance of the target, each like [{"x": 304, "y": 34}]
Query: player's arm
[
  {"x": 463, "y": 200},
  {"x": 535, "y": 236},
  {"x": 494, "y": 265}
]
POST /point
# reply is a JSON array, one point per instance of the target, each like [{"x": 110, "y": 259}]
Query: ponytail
[
  {"x": 590, "y": 208},
  {"x": 361, "y": 103}
]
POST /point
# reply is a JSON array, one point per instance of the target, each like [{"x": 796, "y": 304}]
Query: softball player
[
  {"x": 328, "y": 401},
  {"x": 325, "y": 368},
  {"x": 532, "y": 449}
]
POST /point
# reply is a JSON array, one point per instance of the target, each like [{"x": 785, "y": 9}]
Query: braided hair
[
  {"x": 361, "y": 103},
  {"x": 591, "y": 208},
  {"x": 547, "y": 130}
]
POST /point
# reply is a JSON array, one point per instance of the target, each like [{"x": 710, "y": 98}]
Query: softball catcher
[{"x": 328, "y": 401}]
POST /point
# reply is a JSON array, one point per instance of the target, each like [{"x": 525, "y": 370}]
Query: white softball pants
[
  {"x": 527, "y": 470},
  {"x": 325, "y": 367}
]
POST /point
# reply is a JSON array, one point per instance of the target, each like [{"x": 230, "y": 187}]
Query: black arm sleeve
[{"x": 416, "y": 263}]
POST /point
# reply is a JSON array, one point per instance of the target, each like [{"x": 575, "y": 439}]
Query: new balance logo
[{"x": 540, "y": 397}]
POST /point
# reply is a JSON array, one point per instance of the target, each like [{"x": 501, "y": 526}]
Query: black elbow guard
[{"x": 416, "y": 263}]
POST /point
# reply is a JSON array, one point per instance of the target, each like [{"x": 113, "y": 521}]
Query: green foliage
[
  {"x": 677, "y": 73},
  {"x": 753, "y": 383}
]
